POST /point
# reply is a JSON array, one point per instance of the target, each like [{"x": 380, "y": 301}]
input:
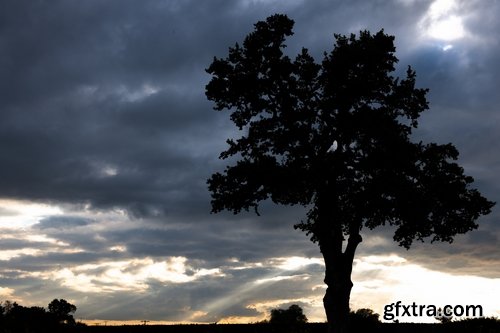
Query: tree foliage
[
  {"x": 365, "y": 316},
  {"x": 62, "y": 310},
  {"x": 291, "y": 111}
]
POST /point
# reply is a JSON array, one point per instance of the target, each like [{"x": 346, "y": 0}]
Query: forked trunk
[
  {"x": 338, "y": 263},
  {"x": 338, "y": 268}
]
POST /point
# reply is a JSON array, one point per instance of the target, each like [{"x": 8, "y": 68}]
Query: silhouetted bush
[
  {"x": 364, "y": 315},
  {"x": 15, "y": 318},
  {"x": 292, "y": 319},
  {"x": 292, "y": 315}
]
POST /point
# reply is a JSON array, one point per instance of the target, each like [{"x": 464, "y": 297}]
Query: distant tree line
[{"x": 17, "y": 318}]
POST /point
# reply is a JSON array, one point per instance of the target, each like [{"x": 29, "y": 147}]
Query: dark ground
[{"x": 468, "y": 326}]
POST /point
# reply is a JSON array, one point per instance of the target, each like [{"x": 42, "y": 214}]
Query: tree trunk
[
  {"x": 338, "y": 263},
  {"x": 338, "y": 268}
]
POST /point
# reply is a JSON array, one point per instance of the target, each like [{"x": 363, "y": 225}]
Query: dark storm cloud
[
  {"x": 18, "y": 244},
  {"x": 74, "y": 68},
  {"x": 100, "y": 95},
  {"x": 211, "y": 240},
  {"x": 98, "y": 98},
  {"x": 214, "y": 242},
  {"x": 62, "y": 222},
  {"x": 52, "y": 260}
]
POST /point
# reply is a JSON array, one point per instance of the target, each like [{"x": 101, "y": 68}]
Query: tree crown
[
  {"x": 335, "y": 136},
  {"x": 291, "y": 316}
]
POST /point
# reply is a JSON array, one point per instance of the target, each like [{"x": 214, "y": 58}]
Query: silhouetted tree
[
  {"x": 2, "y": 317},
  {"x": 335, "y": 137},
  {"x": 62, "y": 310},
  {"x": 292, "y": 319},
  {"x": 17, "y": 318},
  {"x": 293, "y": 315},
  {"x": 35, "y": 319},
  {"x": 364, "y": 317},
  {"x": 7, "y": 306}
]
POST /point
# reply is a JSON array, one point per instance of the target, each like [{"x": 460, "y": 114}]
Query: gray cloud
[{"x": 62, "y": 222}]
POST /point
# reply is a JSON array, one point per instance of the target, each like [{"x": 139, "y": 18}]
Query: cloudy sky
[{"x": 107, "y": 139}]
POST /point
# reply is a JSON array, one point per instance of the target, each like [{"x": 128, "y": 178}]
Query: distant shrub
[
  {"x": 364, "y": 315},
  {"x": 292, "y": 315},
  {"x": 363, "y": 320},
  {"x": 291, "y": 320}
]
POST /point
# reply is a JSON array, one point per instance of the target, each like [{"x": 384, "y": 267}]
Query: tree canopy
[
  {"x": 292, "y": 316},
  {"x": 293, "y": 111},
  {"x": 18, "y": 318},
  {"x": 62, "y": 310}
]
